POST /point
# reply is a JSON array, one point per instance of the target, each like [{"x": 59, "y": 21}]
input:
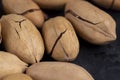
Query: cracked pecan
[
  {"x": 60, "y": 39},
  {"x": 109, "y": 4},
  {"x": 91, "y": 23},
  {"x": 21, "y": 38},
  {"x": 52, "y": 4},
  {"x": 25, "y": 7}
]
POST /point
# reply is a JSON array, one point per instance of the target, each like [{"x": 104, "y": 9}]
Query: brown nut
[
  {"x": 60, "y": 39},
  {"x": 10, "y": 64},
  {"x": 25, "y": 7},
  {"x": 58, "y": 71},
  {"x": 21, "y": 38},
  {"x": 109, "y": 4},
  {"x": 18, "y": 76},
  {"x": 51, "y": 4},
  {"x": 91, "y": 23}
]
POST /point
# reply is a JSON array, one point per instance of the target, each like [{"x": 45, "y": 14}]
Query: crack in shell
[
  {"x": 20, "y": 22},
  {"x": 17, "y": 33},
  {"x": 57, "y": 40},
  {"x": 19, "y": 26},
  {"x": 66, "y": 54},
  {"x": 77, "y": 16},
  {"x": 31, "y": 10}
]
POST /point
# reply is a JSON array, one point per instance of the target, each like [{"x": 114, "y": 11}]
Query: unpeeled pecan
[
  {"x": 109, "y": 4},
  {"x": 18, "y": 76},
  {"x": 58, "y": 71},
  {"x": 21, "y": 38},
  {"x": 10, "y": 64},
  {"x": 25, "y": 7},
  {"x": 60, "y": 39},
  {"x": 91, "y": 23},
  {"x": 52, "y": 4}
]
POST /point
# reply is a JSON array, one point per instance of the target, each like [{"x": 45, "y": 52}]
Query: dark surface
[{"x": 103, "y": 62}]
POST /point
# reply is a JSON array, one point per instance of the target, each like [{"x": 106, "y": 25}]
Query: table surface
[{"x": 103, "y": 62}]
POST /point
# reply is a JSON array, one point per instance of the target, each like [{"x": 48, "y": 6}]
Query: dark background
[{"x": 103, "y": 62}]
